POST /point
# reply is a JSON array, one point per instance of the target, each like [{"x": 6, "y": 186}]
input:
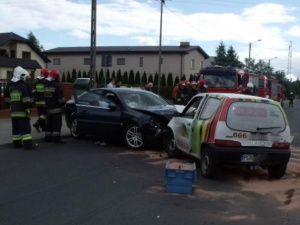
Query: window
[
  {"x": 120, "y": 61},
  {"x": 25, "y": 55},
  {"x": 192, "y": 64},
  {"x": 192, "y": 107},
  {"x": 210, "y": 107},
  {"x": 56, "y": 61},
  {"x": 3, "y": 52},
  {"x": 249, "y": 116},
  {"x": 106, "y": 60},
  {"x": 200, "y": 64},
  {"x": 86, "y": 61},
  {"x": 141, "y": 61}
]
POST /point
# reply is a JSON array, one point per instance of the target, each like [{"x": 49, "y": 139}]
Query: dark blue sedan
[{"x": 135, "y": 116}]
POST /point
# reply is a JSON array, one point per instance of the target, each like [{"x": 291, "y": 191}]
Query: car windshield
[
  {"x": 142, "y": 100},
  {"x": 255, "y": 117},
  {"x": 225, "y": 80}
]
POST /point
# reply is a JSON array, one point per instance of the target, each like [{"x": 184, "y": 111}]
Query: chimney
[{"x": 185, "y": 44}]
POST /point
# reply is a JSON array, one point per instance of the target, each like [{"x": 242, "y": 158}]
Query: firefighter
[
  {"x": 192, "y": 92},
  {"x": 291, "y": 98},
  {"x": 39, "y": 100},
  {"x": 249, "y": 89},
  {"x": 55, "y": 102},
  {"x": 18, "y": 98},
  {"x": 181, "y": 93},
  {"x": 202, "y": 86}
]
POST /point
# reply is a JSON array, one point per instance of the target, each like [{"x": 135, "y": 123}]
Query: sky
[{"x": 204, "y": 23}]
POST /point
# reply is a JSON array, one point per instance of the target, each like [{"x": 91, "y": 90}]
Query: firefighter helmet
[
  {"x": 20, "y": 74},
  {"x": 55, "y": 75},
  {"x": 202, "y": 82},
  {"x": 181, "y": 84},
  {"x": 249, "y": 85},
  {"x": 44, "y": 72}
]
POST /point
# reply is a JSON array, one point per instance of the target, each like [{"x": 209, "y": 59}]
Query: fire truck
[
  {"x": 270, "y": 88},
  {"x": 227, "y": 80}
]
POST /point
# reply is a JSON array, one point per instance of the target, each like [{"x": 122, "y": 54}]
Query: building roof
[
  {"x": 14, "y": 62},
  {"x": 7, "y": 38},
  {"x": 127, "y": 49}
]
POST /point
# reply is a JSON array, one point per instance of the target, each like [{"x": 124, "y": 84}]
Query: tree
[
  {"x": 73, "y": 75},
  {"x": 131, "y": 77},
  {"x": 63, "y": 80},
  {"x": 84, "y": 74},
  {"x": 170, "y": 80},
  {"x": 144, "y": 78},
  {"x": 150, "y": 79},
  {"x": 226, "y": 57},
  {"x": 137, "y": 79},
  {"x": 176, "y": 81},
  {"x": 163, "y": 80},
  {"x": 69, "y": 80},
  {"x": 125, "y": 78},
  {"x": 232, "y": 58},
  {"x": 79, "y": 74},
  {"x": 119, "y": 75},
  {"x": 155, "y": 79},
  {"x": 35, "y": 41},
  {"x": 220, "y": 58}
]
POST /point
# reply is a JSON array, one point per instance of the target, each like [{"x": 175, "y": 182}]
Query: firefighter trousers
[
  {"x": 21, "y": 131},
  {"x": 42, "y": 112},
  {"x": 53, "y": 127}
]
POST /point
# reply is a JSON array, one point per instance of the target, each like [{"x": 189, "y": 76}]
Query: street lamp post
[
  {"x": 250, "y": 43},
  {"x": 271, "y": 59}
]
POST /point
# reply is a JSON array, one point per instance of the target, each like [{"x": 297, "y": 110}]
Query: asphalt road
[{"x": 82, "y": 183}]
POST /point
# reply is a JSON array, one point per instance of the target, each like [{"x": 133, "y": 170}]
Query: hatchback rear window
[{"x": 255, "y": 117}]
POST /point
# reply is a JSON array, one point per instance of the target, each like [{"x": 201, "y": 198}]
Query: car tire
[
  {"x": 133, "y": 137},
  {"x": 208, "y": 168},
  {"x": 278, "y": 171},
  {"x": 73, "y": 129},
  {"x": 170, "y": 146}
]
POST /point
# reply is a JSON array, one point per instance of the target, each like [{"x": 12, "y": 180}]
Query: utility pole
[
  {"x": 289, "y": 67},
  {"x": 159, "y": 57},
  {"x": 93, "y": 45}
]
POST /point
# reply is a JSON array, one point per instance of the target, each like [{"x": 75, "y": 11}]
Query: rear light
[
  {"x": 227, "y": 143},
  {"x": 281, "y": 145}
]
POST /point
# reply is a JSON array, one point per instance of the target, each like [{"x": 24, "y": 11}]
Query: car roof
[
  {"x": 233, "y": 95},
  {"x": 122, "y": 89}
]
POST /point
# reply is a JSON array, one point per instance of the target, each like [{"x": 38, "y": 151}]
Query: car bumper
[{"x": 259, "y": 156}]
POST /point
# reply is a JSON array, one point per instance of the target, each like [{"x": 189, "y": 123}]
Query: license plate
[
  {"x": 247, "y": 158},
  {"x": 258, "y": 143}
]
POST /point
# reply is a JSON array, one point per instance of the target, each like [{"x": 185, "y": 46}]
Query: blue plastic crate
[{"x": 180, "y": 177}]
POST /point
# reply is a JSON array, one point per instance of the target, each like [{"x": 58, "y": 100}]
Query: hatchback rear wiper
[{"x": 266, "y": 128}]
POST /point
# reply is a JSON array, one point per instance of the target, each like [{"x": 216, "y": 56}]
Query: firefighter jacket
[
  {"x": 181, "y": 96},
  {"x": 54, "y": 97},
  {"x": 38, "y": 91},
  {"x": 18, "y": 97}
]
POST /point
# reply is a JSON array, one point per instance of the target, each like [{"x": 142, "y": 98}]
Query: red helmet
[
  {"x": 181, "y": 84},
  {"x": 202, "y": 82},
  {"x": 45, "y": 72},
  {"x": 54, "y": 74}
]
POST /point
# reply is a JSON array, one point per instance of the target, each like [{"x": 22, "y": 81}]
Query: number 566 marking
[{"x": 239, "y": 135}]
